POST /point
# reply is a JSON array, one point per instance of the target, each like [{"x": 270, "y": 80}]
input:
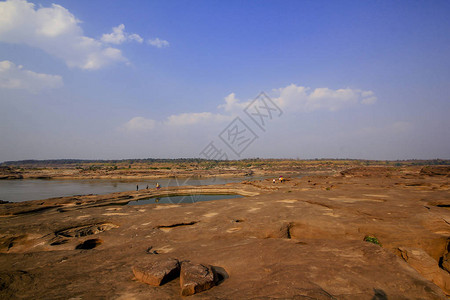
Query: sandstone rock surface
[
  {"x": 427, "y": 266},
  {"x": 158, "y": 272},
  {"x": 195, "y": 278},
  {"x": 293, "y": 240}
]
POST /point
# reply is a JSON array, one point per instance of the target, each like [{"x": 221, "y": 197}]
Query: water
[
  {"x": 183, "y": 199},
  {"x": 37, "y": 189}
]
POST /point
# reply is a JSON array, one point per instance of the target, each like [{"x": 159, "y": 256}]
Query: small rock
[
  {"x": 158, "y": 272},
  {"x": 195, "y": 278}
]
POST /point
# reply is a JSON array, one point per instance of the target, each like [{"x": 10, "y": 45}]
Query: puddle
[{"x": 183, "y": 199}]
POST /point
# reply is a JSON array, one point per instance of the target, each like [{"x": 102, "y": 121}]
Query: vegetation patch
[{"x": 372, "y": 239}]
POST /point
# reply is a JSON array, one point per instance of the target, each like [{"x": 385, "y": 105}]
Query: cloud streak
[
  {"x": 139, "y": 124},
  {"x": 16, "y": 77},
  {"x": 292, "y": 99}
]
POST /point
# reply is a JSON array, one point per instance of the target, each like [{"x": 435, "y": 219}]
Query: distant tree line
[{"x": 62, "y": 162}]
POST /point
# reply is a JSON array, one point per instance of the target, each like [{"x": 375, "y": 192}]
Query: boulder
[
  {"x": 158, "y": 272},
  {"x": 195, "y": 278}
]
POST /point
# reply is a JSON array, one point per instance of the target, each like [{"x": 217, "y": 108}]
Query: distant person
[
  {"x": 146, "y": 187},
  {"x": 158, "y": 186},
  {"x": 137, "y": 187},
  {"x": 273, "y": 181}
]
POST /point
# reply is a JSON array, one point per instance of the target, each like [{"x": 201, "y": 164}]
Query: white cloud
[
  {"x": 158, "y": 43},
  {"x": 16, "y": 77},
  {"x": 56, "y": 31},
  {"x": 140, "y": 124},
  {"x": 232, "y": 104},
  {"x": 119, "y": 36},
  {"x": 291, "y": 98},
  {"x": 305, "y": 99},
  {"x": 195, "y": 118},
  {"x": 135, "y": 37},
  {"x": 176, "y": 121}
]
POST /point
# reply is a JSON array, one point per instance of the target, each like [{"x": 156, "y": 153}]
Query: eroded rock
[
  {"x": 446, "y": 262},
  {"x": 89, "y": 244},
  {"x": 436, "y": 171},
  {"x": 427, "y": 267},
  {"x": 158, "y": 272},
  {"x": 195, "y": 278},
  {"x": 11, "y": 282},
  {"x": 80, "y": 231}
]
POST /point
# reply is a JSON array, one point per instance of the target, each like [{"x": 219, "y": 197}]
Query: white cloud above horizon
[
  {"x": 119, "y": 36},
  {"x": 56, "y": 31},
  {"x": 139, "y": 124},
  {"x": 14, "y": 76},
  {"x": 305, "y": 99},
  {"x": 158, "y": 43},
  {"x": 291, "y": 98}
]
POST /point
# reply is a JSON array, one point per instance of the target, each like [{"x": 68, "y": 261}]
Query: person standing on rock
[
  {"x": 137, "y": 187},
  {"x": 158, "y": 186}
]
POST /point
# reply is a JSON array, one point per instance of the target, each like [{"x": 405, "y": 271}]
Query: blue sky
[{"x": 137, "y": 79}]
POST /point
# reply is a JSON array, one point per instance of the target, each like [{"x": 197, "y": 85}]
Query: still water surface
[
  {"x": 182, "y": 199},
  {"x": 36, "y": 189}
]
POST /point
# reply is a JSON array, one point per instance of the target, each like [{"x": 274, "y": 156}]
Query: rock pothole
[
  {"x": 85, "y": 230},
  {"x": 89, "y": 244}
]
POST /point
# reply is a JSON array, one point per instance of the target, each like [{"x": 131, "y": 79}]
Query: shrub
[{"x": 372, "y": 239}]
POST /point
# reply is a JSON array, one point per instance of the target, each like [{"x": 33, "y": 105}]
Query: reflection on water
[
  {"x": 35, "y": 189},
  {"x": 182, "y": 199}
]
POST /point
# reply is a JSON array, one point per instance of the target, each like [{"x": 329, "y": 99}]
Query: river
[{"x": 37, "y": 189}]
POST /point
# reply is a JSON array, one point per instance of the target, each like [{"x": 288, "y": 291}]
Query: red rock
[
  {"x": 157, "y": 273},
  {"x": 195, "y": 278}
]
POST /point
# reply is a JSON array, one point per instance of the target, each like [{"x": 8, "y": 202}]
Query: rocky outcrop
[
  {"x": 9, "y": 173},
  {"x": 436, "y": 171},
  {"x": 158, "y": 272},
  {"x": 195, "y": 278},
  {"x": 427, "y": 267},
  {"x": 369, "y": 171}
]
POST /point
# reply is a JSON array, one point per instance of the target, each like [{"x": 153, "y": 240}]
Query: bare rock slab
[
  {"x": 195, "y": 278},
  {"x": 158, "y": 272}
]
